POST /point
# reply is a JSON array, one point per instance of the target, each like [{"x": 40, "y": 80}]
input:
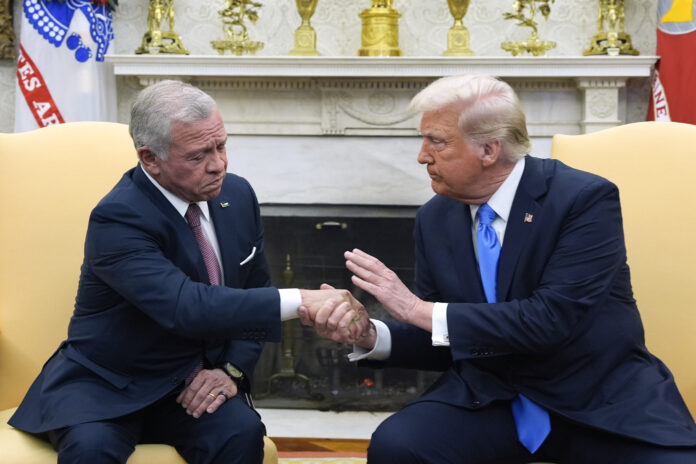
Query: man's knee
[
  {"x": 92, "y": 442},
  {"x": 390, "y": 443}
]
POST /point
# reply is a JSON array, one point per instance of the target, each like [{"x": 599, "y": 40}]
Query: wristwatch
[
  {"x": 234, "y": 372},
  {"x": 240, "y": 379}
]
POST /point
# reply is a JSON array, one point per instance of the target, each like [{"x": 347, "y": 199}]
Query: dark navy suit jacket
[
  {"x": 566, "y": 331},
  {"x": 145, "y": 314}
]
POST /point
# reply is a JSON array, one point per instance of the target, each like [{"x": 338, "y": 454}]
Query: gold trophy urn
[
  {"x": 458, "y": 35},
  {"x": 613, "y": 41},
  {"x": 380, "y": 30},
  {"x": 305, "y": 35},
  {"x": 155, "y": 39}
]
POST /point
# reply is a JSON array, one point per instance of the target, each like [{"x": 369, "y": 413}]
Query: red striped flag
[{"x": 673, "y": 91}]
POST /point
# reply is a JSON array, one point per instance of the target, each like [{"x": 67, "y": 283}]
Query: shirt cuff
[
  {"x": 382, "y": 349},
  {"x": 440, "y": 331},
  {"x": 290, "y": 300}
]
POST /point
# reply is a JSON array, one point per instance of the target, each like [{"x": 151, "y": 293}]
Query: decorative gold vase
[
  {"x": 613, "y": 41},
  {"x": 233, "y": 17},
  {"x": 156, "y": 40},
  {"x": 458, "y": 35},
  {"x": 380, "y": 30},
  {"x": 305, "y": 35},
  {"x": 532, "y": 44}
]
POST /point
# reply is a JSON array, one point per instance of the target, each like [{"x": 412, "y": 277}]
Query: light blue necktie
[{"x": 532, "y": 422}]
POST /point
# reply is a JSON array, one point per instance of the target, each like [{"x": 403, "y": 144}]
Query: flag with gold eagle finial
[{"x": 673, "y": 95}]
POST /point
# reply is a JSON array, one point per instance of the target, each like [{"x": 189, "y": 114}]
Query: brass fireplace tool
[{"x": 287, "y": 356}]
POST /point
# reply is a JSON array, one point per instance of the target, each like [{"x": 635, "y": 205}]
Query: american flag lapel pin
[
  {"x": 225, "y": 204},
  {"x": 528, "y": 217}
]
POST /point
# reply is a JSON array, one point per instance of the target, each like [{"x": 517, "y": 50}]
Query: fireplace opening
[{"x": 304, "y": 248}]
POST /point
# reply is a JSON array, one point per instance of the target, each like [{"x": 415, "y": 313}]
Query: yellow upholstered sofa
[
  {"x": 653, "y": 164},
  {"x": 50, "y": 179}
]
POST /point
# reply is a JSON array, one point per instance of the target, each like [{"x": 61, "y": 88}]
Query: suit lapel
[
  {"x": 522, "y": 221},
  {"x": 222, "y": 211},
  {"x": 181, "y": 228}
]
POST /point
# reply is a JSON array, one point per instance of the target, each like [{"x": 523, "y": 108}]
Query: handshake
[{"x": 336, "y": 314}]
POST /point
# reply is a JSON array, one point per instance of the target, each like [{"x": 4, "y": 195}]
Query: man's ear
[
  {"x": 492, "y": 151},
  {"x": 149, "y": 160}
]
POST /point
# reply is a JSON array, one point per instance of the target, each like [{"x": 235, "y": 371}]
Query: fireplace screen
[{"x": 306, "y": 371}]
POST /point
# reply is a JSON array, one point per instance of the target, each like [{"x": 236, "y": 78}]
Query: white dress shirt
[
  {"x": 290, "y": 298},
  {"x": 501, "y": 203}
]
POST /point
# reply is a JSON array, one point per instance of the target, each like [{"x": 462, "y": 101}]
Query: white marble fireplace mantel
[
  {"x": 337, "y": 84},
  {"x": 304, "y": 103}
]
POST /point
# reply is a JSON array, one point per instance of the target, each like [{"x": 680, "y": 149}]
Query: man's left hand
[
  {"x": 377, "y": 279},
  {"x": 207, "y": 392}
]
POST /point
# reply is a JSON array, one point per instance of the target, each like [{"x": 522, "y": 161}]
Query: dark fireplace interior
[{"x": 304, "y": 248}]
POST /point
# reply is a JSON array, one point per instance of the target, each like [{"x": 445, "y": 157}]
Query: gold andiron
[
  {"x": 458, "y": 35},
  {"x": 533, "y": 44},
  {"x": 238, "y": 41},
  {"x": 614, "y": 41},
  {"x": 155, "y": 39},
  {"x": 380, "y": 30},
  {"x": 305, "y": 35}
]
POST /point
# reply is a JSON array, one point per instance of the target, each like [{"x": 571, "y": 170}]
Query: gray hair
[
  {"x": 158, "y": 106},
  {"x": 490, "y": 110}
]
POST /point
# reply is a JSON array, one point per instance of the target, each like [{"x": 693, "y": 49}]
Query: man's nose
[
  {"x": 423, "y": 155},
  {"x": 217, "y": 162}
]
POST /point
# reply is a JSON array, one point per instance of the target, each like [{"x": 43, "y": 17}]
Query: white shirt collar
[
  {"x": 501, "y": 201},
  {"x": 180, "y": 205}
]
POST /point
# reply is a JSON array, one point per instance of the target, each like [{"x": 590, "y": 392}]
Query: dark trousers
[
  {"x": 232, "y": 434},
  {"x": 437, "y": 433}
]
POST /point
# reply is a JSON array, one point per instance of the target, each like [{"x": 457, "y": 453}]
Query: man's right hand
[{"x": 335, "y": 314}]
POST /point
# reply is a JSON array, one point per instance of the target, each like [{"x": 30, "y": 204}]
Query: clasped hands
[{"x": 337, "y": 315}]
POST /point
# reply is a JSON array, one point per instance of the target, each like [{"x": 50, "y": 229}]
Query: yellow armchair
[
  {"x": 653, "y": 164},
  {"x": 50, "y": 179}
]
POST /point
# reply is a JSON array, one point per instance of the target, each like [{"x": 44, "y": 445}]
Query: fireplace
[{"x": 304, "y": 247}]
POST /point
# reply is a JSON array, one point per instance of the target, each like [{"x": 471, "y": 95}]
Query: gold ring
[
  {"x": 212, "y": 395},
  {"x": 356, "y": 318}
]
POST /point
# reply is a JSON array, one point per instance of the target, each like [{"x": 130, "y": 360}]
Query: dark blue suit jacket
[
  {"x": 145, "y": 314},
  {"x": 566, "y": 331}
]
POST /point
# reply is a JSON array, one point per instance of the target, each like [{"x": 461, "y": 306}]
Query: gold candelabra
[
  {"x": 458, "y": 35},
  {"x": 233, "y": 17},
  {"x": 157, "y": 40},
  {"x": 613, "y": 40},
  {"x": 380, "y": 30},
  {"x": 305, "y": 35},
  {"x": 533, "y": 44}
]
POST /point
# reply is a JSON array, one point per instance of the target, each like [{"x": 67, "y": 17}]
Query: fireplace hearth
[{"x": 304, "y": 248}]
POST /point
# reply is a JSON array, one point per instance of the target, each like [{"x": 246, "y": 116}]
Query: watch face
[{"x": 233, "y": 372}]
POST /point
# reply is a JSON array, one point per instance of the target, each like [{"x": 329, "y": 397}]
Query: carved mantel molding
[{"x": 368, "y": 96}]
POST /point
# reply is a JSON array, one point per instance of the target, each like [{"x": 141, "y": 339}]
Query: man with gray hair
[
  {"x": 522, "y": 299},
  {"x": 173, "y": 305}
]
